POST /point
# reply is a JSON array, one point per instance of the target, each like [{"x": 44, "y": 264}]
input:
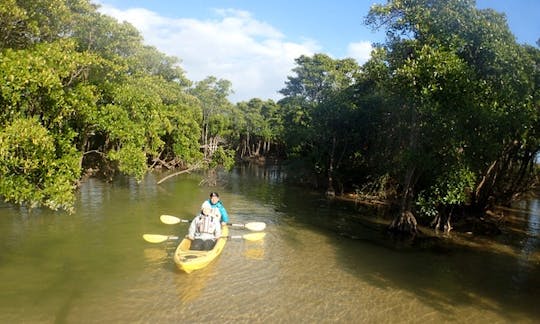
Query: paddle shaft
[
  {"x": 181, "y": 220},
  {"x": 252, "y": 226},
  {"x": 157, "y": 238}
]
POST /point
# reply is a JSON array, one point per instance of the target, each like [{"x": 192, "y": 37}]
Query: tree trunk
[
  {"x": 481, "y": 196},
  {"x": 503, "y": 178},
  {"x": 205, "y": 139},
  {"x": 242, "y": 147},
  {"x": 442, "y": 221},
  {"x": 330, "y": 191},
  {"x": 248, "y": 146},
  {"x": 405, "y": 222},
  {"x": 258, "y": 148}
]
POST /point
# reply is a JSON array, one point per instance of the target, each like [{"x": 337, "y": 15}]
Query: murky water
[{"x": 320, "y": 262}]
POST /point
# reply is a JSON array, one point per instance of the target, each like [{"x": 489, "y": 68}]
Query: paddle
[
  {"x": 252, "y": 226},
  {"x": 157, "y": 238}
]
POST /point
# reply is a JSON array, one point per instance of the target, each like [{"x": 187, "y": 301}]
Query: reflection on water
[
  {"x": 254, "y": 250},
  {"x": 190, "y": 287},
  {"x": 529, "y": 253},
  {"x": 532, "y": 208},
  {"x": 320, "y": 262},
  {"x": 155, "y": 256}
]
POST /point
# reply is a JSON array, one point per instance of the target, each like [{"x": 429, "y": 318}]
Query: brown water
[{"x": 320, "y": 262}]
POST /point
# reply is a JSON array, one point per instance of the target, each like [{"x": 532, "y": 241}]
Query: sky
[{"x": 253, "y": 43}]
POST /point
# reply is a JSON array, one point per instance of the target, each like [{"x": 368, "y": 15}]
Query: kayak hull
[{"x": 189, "y": 260}]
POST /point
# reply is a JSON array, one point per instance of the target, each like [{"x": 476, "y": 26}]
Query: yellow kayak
[{"x": 188, "y": 260}]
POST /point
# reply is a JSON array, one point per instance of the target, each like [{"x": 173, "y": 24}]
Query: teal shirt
[{"x": 222, "y": 210}]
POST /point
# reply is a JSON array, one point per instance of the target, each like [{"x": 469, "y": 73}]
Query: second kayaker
[
  {"x": 218, "y": 210},
  {"x": 204, "y": 230}
]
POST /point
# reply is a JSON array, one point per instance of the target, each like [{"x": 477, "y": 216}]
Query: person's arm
[
  {"x": 217, "y": 232},
  {"x": 224, "y": 215}
]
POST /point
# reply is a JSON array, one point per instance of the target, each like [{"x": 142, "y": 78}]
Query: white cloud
[
  {"x": 361, "y": 51},
  {"x": 251, "y": 54}
]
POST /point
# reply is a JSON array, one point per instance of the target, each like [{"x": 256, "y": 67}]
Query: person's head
[
  {"x": 206, "y": 211},
  {"x": 214, "y": 197}
]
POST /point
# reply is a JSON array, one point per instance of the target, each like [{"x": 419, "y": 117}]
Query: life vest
[{"x": 205, "y": 224}]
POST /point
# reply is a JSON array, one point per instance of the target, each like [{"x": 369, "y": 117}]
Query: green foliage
[
  {"x": 131, "y": 160},
  {"x": 149, "y": 61},
  {"x": 48, "y": 86},
  {"x": 321, "y": 121},
  {"x": 91, "y": 84},
  {"x": 120, "y": 43},
  {"x": 452, "y": 188},
  {"x": 318, "y": 77},
  {"x": 222, "y": 157},
  {"x": 458, "y": 97},
  {"x": 149, "y": 115},
  {"x": 216, "y": 111},
  {"x": 448, "y": 100},
  {"x": 27, "y": 22},
  {"x": 185, "y": 131},
  {"x": 37, "y": 168},
  {"x": 47, "y": 100},
  {"x": 212, "y": 94},
  {"x": 256, "y": 122}
]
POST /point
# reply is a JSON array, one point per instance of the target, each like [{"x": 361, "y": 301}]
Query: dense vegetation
[{"x": 444, "y": 115}]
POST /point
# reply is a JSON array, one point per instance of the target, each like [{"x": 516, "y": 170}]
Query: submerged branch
[{"x": 195, "y": 167}]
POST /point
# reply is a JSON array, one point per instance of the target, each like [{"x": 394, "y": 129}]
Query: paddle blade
[
  {"x": 254, "y": 236},
  {"x": 256, "y": 226},
  {"x": 157, "y": 238},
  {"x": 171, "y": 220}
]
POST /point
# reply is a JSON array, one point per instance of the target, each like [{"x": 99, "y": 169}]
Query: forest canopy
[{"x": 444, "y": 115}]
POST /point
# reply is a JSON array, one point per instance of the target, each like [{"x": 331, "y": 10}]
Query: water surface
[{"x": 320, "y": 262}]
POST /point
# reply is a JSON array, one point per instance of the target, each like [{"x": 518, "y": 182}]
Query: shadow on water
[
  {"x": 451, "y": 270},
  {"x": 496, "y": 274}
]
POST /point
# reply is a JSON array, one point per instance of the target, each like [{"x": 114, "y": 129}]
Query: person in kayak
[
  {"x": 204, "y": 230},
  {"x": 218, "y": 210}
]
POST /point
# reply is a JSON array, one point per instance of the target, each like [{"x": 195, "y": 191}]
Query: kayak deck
[{"x": 189, "y": 260}]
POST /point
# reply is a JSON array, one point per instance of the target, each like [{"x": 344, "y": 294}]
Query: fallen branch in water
[{"x": 195, "y": 167}]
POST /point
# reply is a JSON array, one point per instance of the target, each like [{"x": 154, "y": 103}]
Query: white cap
[{"x": 205, "y": 204}]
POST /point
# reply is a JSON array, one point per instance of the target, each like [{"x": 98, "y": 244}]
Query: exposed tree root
[{"x": 405, "y": 223}]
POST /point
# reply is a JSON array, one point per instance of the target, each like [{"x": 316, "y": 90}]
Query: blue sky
[{"x": 253, "y": 43}]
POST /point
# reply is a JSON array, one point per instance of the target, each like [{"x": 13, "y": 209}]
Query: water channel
[{"x": 320, "y": 262}]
